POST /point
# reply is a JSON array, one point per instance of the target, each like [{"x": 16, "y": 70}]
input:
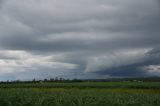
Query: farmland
[{"x": 80, "y": 94}]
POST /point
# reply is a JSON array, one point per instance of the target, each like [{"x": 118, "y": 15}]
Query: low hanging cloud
[
  {"x": 21, "y": 61},
  {"x": 152, "y": 69},
  {"x": 82, "y": 38},
  {"x": 117, "y": 59}
]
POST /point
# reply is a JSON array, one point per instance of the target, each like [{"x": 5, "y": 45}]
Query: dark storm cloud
[
  {"x": 154, "y": 56},
  {"x": 106, "y": 37},
  {"x": 136, "y": 69}
]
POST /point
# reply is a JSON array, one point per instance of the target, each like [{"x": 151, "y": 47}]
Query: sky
[{"x": 79, "y": 39}]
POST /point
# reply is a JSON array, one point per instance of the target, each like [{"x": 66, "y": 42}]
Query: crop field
[{"x": 80, "y": 94}]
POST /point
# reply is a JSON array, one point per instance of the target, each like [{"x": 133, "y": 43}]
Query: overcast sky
[{"x": 79, "y": 38}]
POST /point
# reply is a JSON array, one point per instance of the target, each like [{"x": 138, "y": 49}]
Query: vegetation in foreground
[{"x": 81, "y": 94}]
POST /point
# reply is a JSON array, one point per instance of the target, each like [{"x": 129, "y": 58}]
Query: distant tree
[
  {"x": 56, "y": 79},
  {"x": 45, "y": 80},
  {"x": 7, "y": 81},
  {"x": 34, "y": 80},
  {"x": 51, "y": 79},
  {"x": 60, "y": 79}
]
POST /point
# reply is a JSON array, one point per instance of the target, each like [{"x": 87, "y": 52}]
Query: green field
[{"x": 81, "y": 94}]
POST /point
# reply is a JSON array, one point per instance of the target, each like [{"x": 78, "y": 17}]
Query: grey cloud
[
  {"x": 65, "y": 45},
  {"x": 63, "y": 20},
  {"x": 142, "y": 25},
  {"x": 82, "y": 30},
  {"x": 1, "y": 3},
  {"x": 137, "y": 69}
]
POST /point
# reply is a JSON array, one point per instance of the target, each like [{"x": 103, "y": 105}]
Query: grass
[
  {"x": 81, "y": 94},
  {"x": 136, "y": 85}
]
